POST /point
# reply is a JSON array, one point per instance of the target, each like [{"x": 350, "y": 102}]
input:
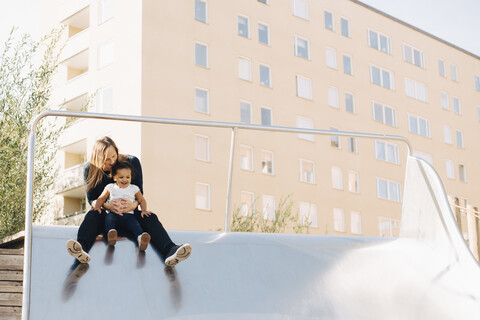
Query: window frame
[
  {"x": 302, "y": 176},
  {"x": 197, "y": 60}
]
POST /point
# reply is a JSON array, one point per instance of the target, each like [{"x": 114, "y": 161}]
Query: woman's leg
[
  {"x": 93, "y": 224},
  {"x": 160, "y": 238}
]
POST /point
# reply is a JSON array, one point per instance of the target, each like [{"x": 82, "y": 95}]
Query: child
[{"x": 122, "y": 188}]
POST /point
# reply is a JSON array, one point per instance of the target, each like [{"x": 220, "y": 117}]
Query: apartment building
[{"x": 321, "y": 64}]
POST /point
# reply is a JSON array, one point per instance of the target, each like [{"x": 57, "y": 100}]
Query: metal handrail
[{"x": 214, "y": 124}]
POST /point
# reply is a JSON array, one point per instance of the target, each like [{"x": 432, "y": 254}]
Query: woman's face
[{"x": 110, "y": 158}]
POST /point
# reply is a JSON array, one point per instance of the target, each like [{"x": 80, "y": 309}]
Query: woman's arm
[{"x": 97, "y": 204}]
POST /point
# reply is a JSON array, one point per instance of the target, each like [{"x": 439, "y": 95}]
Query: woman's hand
[{"x": 145, "y": 213}]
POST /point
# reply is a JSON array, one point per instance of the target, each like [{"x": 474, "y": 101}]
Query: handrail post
[{"x": 230, "y": 177}]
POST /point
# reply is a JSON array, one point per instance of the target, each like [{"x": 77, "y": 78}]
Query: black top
[{"x": 137, "y": 179}]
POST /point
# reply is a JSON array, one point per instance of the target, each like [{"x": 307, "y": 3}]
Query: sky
[{"x": 455, "y": 21}]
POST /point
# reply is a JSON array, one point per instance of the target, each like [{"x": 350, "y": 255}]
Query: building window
[
  {"x": 106, "y": 54},
  {"x": 245, "y": 112},
  {"x": 381, "y": 77},
  {"x": 268, "y": 207},
  {"x": 266, "y": 116},
  {"x": 418, "y": 125},
  {"x": 304, "y": 87},
  {"x": 441, "y": 68},
  {"x": 307, "y": 171},
  {"x": 353, "y": 182},
  {"x": 302, "y": 48},
  {"x": 347, "y": 65},
  {"x": 201, "y": 55},
  {"x": 477, "y": 82},
  {"x": 356, "y": 222},
  {"x": 246, "y": 158},
  {"x": 265, "y": 76},
  {"x": 308, "y": 214},
  {"x": 444, "y": 99},
  {"x": 416, "y": 90},
  {"x": 387, "y": 227},
  {"x": 349, "y": 103},
  {"x": 201, "y": 101},
  {"x": 478, "y": 113},
  {"x": 333, "y": 97},
  {"x": 379, "y": 41},
  {"x": 244, "y": 69},
  {"x": 462, "y": 176},
  {"x": 263, "y": 1},
  {"x": 450, "y": 169},
  {"x": 459, "y": 136},
  {"x": 105, "y": 10},
  {"x": 335, "y": 140},
  {"x": 338, "y": 220},
  {"x": 352, "y": 144},
  {"x": 248, "y": 201},
  {"x": 105, "y": 100},
  {"x": 447, "y": 134},
  {"x": 202, "y": 196},
  {"x": 331, "y": 56},
  {"x": 202, "y": 148},
  {"x": 328, "y": 20},
  {"x": 424, "y": 156},
  {"x": 345, "y": 25},
  {"x": 456, "y": 106},
  {"x": 386, "y": 151},
  {"x": 453, "y": 73},
  {"x": 263, "y": 33},
  {"x": 388, "y": 190},
  {"x": 243, "y": 27},
  {"x": 201, "y": 11},
  {"x": 337, "y": 178},
  {"x": 300, "y": 9},
  {"x": 384, "y": 114},
  {"x": 413, "y": 56},
  {"x": 306, "y": 124},
  {"x": 267, "y": 162}
]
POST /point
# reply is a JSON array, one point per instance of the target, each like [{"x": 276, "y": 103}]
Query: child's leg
[
  {"x": 110, "y": 225},
  {"x": 132, "y": 224}
]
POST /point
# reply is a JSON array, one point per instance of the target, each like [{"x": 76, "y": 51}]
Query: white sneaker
[
  {"x": 75, "y": 249},
  {"x": 143, "y": 241},
  {"x": 112, "y": 237},
  {"x": 178, "y": 254}
]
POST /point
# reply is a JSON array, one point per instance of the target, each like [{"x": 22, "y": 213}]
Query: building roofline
[{"x": 415, "y": 28}]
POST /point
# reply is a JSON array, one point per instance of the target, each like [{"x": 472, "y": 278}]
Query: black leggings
[{"x": 94, "y": 224}]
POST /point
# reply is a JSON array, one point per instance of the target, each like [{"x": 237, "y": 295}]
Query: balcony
[
  {"x": 74, "y": 12},
  {"x": 70, "y": 182},
  {"x": 75, "y": 45},
  {"x": 73, "y": 89}
]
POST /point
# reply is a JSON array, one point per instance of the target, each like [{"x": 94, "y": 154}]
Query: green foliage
[
  {"x": 26, "y": 70},
  {"x": 284, "y": 218}
]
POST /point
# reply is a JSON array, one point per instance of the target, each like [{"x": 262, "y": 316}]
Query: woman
[{"x": 97, "y": 174}]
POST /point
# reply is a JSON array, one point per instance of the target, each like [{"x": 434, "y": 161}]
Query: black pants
[{"x": 94, "y": 224}]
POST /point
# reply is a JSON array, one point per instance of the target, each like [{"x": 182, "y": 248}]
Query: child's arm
[
  {"x": 101, "y": 200},
  {"x": 143, "y": 204}
]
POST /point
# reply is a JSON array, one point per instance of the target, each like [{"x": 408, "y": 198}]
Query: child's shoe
[
  {"x": 112, "y": 237},
  {"x": 143, "y": 241},
  {"x": 178, "y": 254},
  {"x": 75, "y": 249}
]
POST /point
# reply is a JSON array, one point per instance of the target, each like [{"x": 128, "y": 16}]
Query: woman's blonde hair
[{"x": 95, "y": 170}]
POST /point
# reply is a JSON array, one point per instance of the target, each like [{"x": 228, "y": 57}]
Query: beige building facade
[{"x": 292, "y": 63}]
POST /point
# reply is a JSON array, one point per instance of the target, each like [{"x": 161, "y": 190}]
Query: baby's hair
[{"x": 122, "y": 165}]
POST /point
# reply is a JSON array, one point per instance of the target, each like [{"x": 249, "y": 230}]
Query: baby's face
[{"x": 123, "y": 178}]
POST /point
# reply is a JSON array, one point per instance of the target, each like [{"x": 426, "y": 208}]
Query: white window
[
  {"x": 345, "y": 26},
  {"x": 356, "y": 222},
  {"x": 202, "y": 196},
  {"x": 387, "y": 227},
  {"x": 413, "y": 56},
  {"x": 302, "y": 47},
  {"x": 248, "y": 200},
  {"x": 201, "y": 101},
  {"x": 245, "y": 69},
  {"x": 328, "y": 20},
  {"x": 441, "y": 68},
  {"x": 266, "y": 116},
  {"x": 450, "y": 169},
  {"x": 379, "y": 41},
  {"x": 352, "y": 144},
  {"x": 263, "y": 1},
  {"x": 335, "y": 140},
  {"x": 201, "y": 10},
  {"x": 202, "y": 148},
  {"x": 246, "y": 158},
  {"x": 416, "y": 90},
  {"x": 307, "y": 171},
  {"x": 338, "y": 220},
  {"x": 307, "y": 124},
  {"x": 245, "y": 112},
  {"x": 263, "y": 33},
  {"x": 353, "y": 182},
  {"x": 453, "y": 73},
  {"x": 333, "y": 97},
  {"x": 424, "y": 156},
  {"x": 106, "y": 54},
  {"x": 418, "y": 125},
  {"x": 347, "y": 65},
  {"x": 308, "y": 214},
  {"x": 268, "y": 207},
  {"x": 105, "y": 10},
  {"x": 201, "y": 55},
  {"x": 388, "y": 190},
  {"x": 444, "y": 100},
  {"x": 267, "y": 162},
  {"x": 477, "y": 82},
  {"x": 300, "y": 9},
  {"x": 265, "y": 76},
  {"x": 386, "y": 151},
  {"x": 243, "y": 27},
  {"x": 456, "y": 106},
  {"x": 459, "y": 136},
  {"x": 447, "y": 134},
  {"x": 349, "y": 103},
  {"x": 381, "y": 77},
  {"x": 331, "y": 56},
  {"x": 337, "y": 178},
  {"x": 304, "y": 87},
  {"x": 462, "y": 175},
  {"x": 105, "y": 100},
  {"x": 384, "y": 114}
]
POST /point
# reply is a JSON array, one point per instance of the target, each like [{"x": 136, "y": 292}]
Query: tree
[{"x": 26, "y": 71}]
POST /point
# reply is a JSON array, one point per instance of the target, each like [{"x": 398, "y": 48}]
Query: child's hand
[
  {"x": 97, "y": 209},
  {"x": 145, "y": 213}
]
